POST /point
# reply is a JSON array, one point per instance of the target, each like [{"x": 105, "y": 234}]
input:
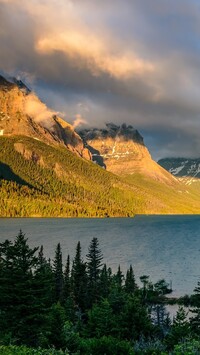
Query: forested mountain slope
[
  {"x": 38, "y": 179},
  {"x": 46, "y": 167}
]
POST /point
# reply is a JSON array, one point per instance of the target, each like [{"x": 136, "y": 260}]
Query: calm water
[{"x": 160, "y": 246}]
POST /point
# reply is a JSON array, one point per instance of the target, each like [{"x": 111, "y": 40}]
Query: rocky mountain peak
[
  {"x": 186, "y": 169},
  {"x": 123, "y": 132},
  {"x": 5, "y": 84},
  {"x": 22, "y": 113},
  {"x": 121, "y": 150},
  {"x": 23, "y": 87}
]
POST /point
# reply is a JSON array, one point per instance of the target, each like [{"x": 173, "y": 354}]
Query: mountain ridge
[
  {"x": 186, "y": 170},
  {"x": 46, "y": 168},
  {"x": 22, "y": 112},
  {"x": 121, "y": 150}
]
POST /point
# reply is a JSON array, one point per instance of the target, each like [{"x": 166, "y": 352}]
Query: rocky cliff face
[
  {"x": 121, "y": 150},
  {"x": 22, "y": 113}
]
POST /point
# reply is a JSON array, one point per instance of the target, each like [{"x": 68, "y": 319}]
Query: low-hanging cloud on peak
[
  {"x": 79, "y": 120},
  {"x": 37, "y": 110}
]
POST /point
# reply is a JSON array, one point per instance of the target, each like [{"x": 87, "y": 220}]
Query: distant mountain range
[
  {"x": 48, "y": 169},
  {"x": 182, "y": 167}
]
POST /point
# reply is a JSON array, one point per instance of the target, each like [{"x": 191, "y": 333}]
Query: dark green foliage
[
  {"x": 58, "y": 274},
  {"x": 18, "y": 298},
  {"x": 86, "y": 310},
  {"x": 94, "y": 263},
  {"x": 105, "y": 281},
  {"x": 130, "y": 284},
  {"x": 67, "y": 283},
  {"x": 57, "y": 318},
  {"x": 23, "y": 350},
  {"x": 100, "y": 320},
  {"x": 135, "y": 320},
  {"x": 105, "y": 345},
  {"x": 79, "y": 280},
  {"x": 149, "y": 347},
  {"x": 187, "y": 347},
  {"x": 180, "y": 328},
  {"x": 118, "y": 279}
]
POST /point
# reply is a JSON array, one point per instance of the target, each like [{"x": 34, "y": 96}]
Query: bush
[
  {"x": 23, "y": 350},
  {"x": 105, "y": 345}
]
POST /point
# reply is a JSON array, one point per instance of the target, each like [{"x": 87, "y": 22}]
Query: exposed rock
[
  {"x": 20, "y": 115},
  {"x": 121, "y": 150},
  {"x": 186, "y": 169},
  {"x": 28, "y": 154}
]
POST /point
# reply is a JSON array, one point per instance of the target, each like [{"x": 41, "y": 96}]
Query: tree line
[{"x": 82, "y": 307}]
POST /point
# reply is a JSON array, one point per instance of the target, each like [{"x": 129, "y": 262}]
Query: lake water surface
[{"x": 160, "y": 246}]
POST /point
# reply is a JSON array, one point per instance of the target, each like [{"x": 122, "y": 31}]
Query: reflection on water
[{"x": 160, "y": 246}]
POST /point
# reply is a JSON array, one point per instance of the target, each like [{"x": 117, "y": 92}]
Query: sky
[{"x": 120, "y": 61}]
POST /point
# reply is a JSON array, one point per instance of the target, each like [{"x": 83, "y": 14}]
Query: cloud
[
  {"x": 37, "y": 110},
  {"x": 134, "y": 61},
  {"x": 89, "y": 51},
  {"x": 79, "y": 121}
]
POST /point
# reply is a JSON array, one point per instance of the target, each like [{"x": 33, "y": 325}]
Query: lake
[{"x": 160, "y": 246}]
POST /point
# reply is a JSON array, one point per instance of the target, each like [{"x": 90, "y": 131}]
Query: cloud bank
[{"x": 131, "y": 61}]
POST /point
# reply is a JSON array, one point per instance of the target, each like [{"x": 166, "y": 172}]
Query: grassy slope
[
  {"x": 66, "y": 185},
  {"x": 162, "y": 198}
]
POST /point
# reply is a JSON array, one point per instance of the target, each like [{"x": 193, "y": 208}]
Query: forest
[{"x": 80, "y": 306}]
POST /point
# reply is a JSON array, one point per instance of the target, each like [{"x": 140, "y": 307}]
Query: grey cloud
[{"x": 164, "y": 103}]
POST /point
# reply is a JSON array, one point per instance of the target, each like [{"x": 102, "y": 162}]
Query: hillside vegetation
[
  {"x": 38, "y": 179},
  {"x": 42, "y": 180}
]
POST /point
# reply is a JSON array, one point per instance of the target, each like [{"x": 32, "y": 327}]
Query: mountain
[
  {"x": 22, "y": 113},
  {"x": 186, "y": 169},
  {"x": 46, "y": 168},
  {"x": 121, "y": 150}
]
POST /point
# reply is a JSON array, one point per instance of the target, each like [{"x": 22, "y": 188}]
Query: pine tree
[
  {"x": 118, "y": 279},
  {"x": 58, "y": 274},
  {"x": 57, "y": 318},
  {"x": 44, "y": 294},
  {"x": 130, "y": 284},
  {"x": 68, "y": 301},
  {"x": 180, "y": 328},
  {"x": 17, "y": 290},
  {"x": 104, "y": 282},
  {"x": 79, "y": 280},
  {"x": 67, "y": 284},
  {"x": 94, "y": 259},
  {"x": 195, "y": 320}
]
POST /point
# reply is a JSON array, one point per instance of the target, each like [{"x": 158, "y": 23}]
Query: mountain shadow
[
  {"x": 7, "y": 173},
  {"x": 96, "y": 156}
]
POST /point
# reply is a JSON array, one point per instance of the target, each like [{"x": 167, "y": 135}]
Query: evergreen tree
[
  {"x": 58, "y": 274},
  {"x": 135, "y": 321},
  {"x": 79, "y": 280},
  {"x": 118, "y": 278},
  {"x": 68, "y": 301},
  {"x": 195, "y": 320},
  {"x": 94, "y": 263},
  {"x": 101, "y": 320},
  {"x": 145, "y": 280},
  {"x": 67, "y": 283},
  {"x": 57, "y": 318},
  {"x": 130, "y": 284},
  {"x": 180, "y": 329},
  {"x": 17, "y": 290},
  {"x": 44, "y": 294},
  {"x": 104, "y": 282}
]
